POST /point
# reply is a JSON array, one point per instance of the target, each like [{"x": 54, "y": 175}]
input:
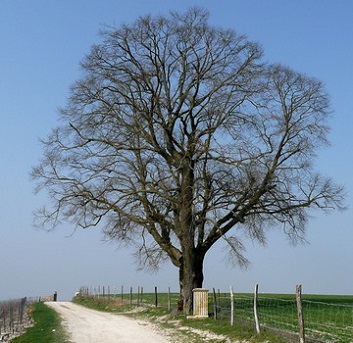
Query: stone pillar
[{"x": 200, "y": 304}]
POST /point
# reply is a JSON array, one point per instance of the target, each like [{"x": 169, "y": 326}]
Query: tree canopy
[{"x": 177, "y": 135}]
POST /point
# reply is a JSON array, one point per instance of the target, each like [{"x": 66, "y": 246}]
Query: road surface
[{"x": 88, "y": 326}]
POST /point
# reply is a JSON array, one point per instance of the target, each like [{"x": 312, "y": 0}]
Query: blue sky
[{"x": 41, "y": 44}]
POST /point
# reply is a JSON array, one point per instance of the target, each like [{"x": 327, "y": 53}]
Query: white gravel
[{"x": 88, "y": 326}]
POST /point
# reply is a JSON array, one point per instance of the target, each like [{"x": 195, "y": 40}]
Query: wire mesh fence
[
  {"x": 15, "y": 316},
  {"x": 329, "y": 322},
  {"x": 135, "y": 296},
  {"x": 12, "y": 316},
  {"x": 325, "y": 318}
]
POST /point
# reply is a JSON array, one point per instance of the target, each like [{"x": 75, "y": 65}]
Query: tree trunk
[
  {"x": 190, "y": 277},
  {"x": 191, "y": 262}
]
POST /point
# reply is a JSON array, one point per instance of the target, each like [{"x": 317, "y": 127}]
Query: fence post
[
  {"x": 3, "y": 318},
  {"x": 22, "y": 309},
  {"x": 11, "y": 323},
  {"x": 231, "y": 307},
  {"x": 130, "y": 296},
  {"x": 298, "y": 292},
  {"x": 169, "y": 300},
  {"x": 138, "y": 295},
  {"x": 156, "y": 296},
  {"x": 214, "y": 304},
  {"x": 257, "y": 324}
]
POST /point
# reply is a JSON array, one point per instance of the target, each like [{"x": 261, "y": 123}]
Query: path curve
[{"x": 89, "y": 326}]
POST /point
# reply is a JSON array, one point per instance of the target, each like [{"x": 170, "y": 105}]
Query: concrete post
[{"x": 200, "y": 303}]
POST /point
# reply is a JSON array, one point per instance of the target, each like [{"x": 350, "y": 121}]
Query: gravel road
[{"x": 89, "y": 326}]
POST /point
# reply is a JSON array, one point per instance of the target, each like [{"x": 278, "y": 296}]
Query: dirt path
[{"x": 89, "y": 326}]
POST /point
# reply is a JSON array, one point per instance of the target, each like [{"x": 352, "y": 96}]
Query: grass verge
[{"x": 47, "y": 327}]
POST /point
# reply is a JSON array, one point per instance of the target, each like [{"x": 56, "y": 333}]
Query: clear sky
[{"x": 41, "y": 44}]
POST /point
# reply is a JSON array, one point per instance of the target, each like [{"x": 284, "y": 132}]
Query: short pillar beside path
[{"x": 200, "y": 303}]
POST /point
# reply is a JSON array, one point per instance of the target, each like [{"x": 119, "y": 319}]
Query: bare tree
[{"x": 178, "y": 135}]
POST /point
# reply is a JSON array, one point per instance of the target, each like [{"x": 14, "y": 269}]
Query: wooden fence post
[
  {"x": 11, "y": 323},
  {"x": 231, "y": 307},
  {"x": 3, "y": 318},
  {"x": 257, "y": 324},
  {"x": 298, "y": 292},
  {"x": 22, "y": 309},
  {"x": 169, "y": 300},
  {"x": 156, "y": 296},
  {"x": 215, "y": 308}
]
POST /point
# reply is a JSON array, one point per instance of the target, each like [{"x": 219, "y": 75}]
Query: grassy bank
[{"x": 47, "y": 327}]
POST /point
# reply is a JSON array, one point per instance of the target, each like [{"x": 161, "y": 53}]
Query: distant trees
[{"x": 179, "y": 135}]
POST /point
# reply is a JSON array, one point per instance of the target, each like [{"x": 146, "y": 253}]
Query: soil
[{"x": 89, "y": 326}]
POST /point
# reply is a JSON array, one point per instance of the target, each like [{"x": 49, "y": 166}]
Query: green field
[{"x": 327, "y": 318}]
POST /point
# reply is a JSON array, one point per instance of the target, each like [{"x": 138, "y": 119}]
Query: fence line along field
[
  {"x": 13, "y": 317},
  {"x": 326, "y": 318}
]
